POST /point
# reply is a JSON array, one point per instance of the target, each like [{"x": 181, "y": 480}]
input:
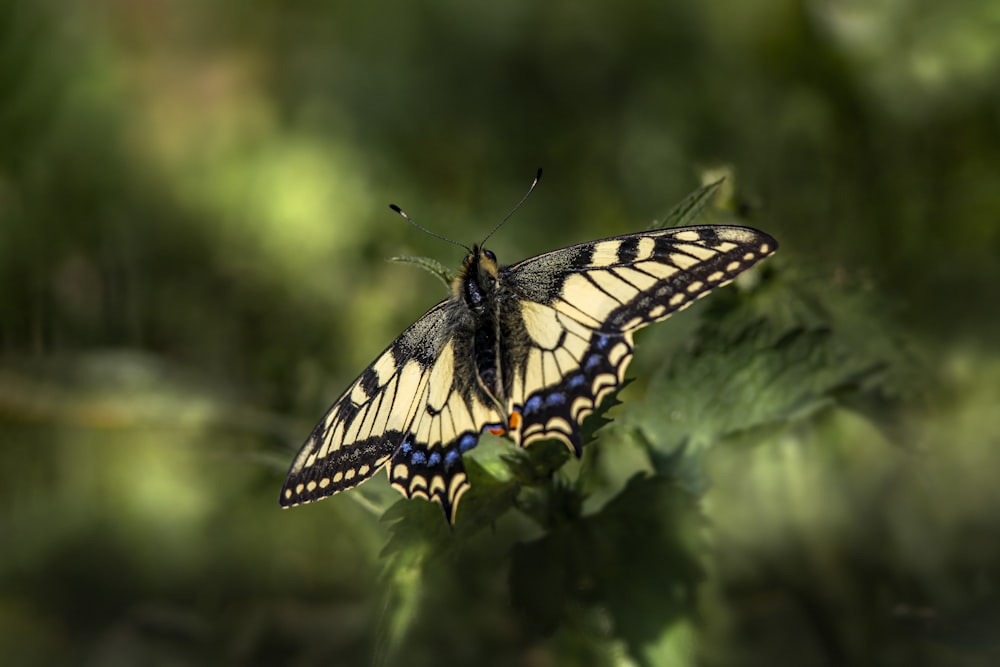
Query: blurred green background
[{"x": 193, "y": 228}]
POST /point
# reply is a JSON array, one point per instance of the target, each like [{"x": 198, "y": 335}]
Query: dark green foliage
[{"x": 637, "y": 559}]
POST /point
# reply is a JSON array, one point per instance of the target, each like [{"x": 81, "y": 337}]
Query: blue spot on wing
[
  {"x": 451, "y": 458},
  {"x": 406, "y": 447},
  {"x": 593, "y": 361},
  {"x": 467, "y": 442},
  {"x": 555, "y": 398},
  {"x": 534, "y": 404},
  {"x": 576, "y": 381},
  {"x": 434, "y": 459},
  {"x": 602, "y": 342},
  {"x": 418, "y": 458}
]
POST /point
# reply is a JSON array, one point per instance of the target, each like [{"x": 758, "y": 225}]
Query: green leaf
[
  {"x": 439, "y": 270},
  {"x": 689, "y": 208},
  {"x": 761, "y": 361}
]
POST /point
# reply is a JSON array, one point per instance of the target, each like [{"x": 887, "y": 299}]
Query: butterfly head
[{"x": 476, "y": 282}]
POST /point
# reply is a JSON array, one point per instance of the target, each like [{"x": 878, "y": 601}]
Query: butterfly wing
[
  {"x": 410, "y": 410},
  {"x": 578, "y": 308}
]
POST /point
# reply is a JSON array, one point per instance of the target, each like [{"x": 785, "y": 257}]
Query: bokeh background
[{"x": 193, "y": 228}]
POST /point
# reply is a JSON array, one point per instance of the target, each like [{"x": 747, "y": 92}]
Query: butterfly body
[{"x": 526, "y": 350}]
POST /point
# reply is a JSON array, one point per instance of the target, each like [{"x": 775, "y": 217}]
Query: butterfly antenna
[
  {"x": 538, "y": 177},
  {"x": 425, "y": 230}
]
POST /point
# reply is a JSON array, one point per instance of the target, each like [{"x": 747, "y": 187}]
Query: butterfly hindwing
[
  {"x": 566, "y": 372},
  {"x": 428, "y": 461},
  {"x": 581, "y": 305}
]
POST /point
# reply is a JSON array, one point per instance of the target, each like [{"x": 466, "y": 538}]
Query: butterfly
[{"x": 526, "y": 350}]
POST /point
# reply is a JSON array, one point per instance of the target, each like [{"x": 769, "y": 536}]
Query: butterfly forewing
[{"x": 366, "y": 425}]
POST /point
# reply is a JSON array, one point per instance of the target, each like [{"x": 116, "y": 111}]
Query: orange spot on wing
[{"x": 515, "y": 421}]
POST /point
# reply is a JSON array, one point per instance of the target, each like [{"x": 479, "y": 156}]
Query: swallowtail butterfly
[{"x": 526, "y": 350}]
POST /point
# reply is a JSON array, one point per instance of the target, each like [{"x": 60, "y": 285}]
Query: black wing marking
[{"x": 581, "y": 306}]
